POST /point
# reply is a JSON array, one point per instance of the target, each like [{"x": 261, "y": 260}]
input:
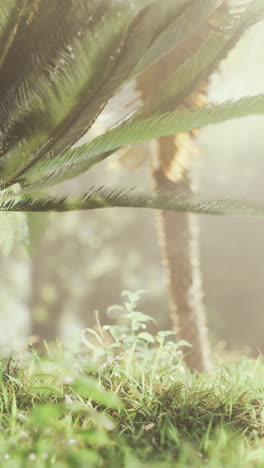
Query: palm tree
[
  {"x": 179, "y": 232},
  {"x": 62, "y": 61}
]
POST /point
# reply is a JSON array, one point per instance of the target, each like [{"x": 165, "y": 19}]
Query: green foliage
[
  {"x": 98, "y": 48},
  {"x": 61, "y": 64},
  {"x": 129, "y": 405},
  {"x": 130, "y": 336},
  {"x": 109, "y": 198},
  {"x": 87, "y": 387}
]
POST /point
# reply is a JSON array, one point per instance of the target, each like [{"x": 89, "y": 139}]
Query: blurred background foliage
[{"x": 81, "y": 261}]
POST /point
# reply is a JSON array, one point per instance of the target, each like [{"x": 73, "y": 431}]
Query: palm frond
[
  {"x": 61, "y": 62},
  {"x": 81, "y": 58},
  {"x": 189, "y": 18},
  {"x": 115, "y": 197},
  {"x": 54, "y": 91},
  {"x": 69, "y": 164},
  {"x": 215, "y": 46},
  {"x": 172, "y": 93},
  {"x": 11, "y": 12}
]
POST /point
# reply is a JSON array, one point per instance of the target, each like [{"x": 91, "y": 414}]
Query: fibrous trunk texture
[{"x": 179, "y": 243}]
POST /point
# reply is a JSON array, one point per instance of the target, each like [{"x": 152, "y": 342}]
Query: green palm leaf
[
  {"x": 11, "y": 12},
  {"x": 171, "y": 123},
  {"x": 115, "y": 197},
  {"x": 73, "y": 59},
  {"x": 62, "y": 61},
  {"x": 186, "y": 78},
  {"x": 81, "y": 58},
  {"x": 191, "y": 15},
  {"x": 172, "y": 93}
]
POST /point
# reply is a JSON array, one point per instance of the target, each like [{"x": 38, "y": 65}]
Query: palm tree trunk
[
  {"x": 179, "y": 233},
  {"x": 179, "y": 242}
]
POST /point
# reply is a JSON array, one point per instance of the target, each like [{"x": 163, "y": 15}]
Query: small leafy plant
[{"x": 128, "y": 342}]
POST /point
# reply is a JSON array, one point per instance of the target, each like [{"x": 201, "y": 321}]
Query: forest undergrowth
[{"x": 126, "y": 399}]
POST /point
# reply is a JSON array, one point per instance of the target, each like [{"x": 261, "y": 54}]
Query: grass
[{"x": 129, "y": 402}]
